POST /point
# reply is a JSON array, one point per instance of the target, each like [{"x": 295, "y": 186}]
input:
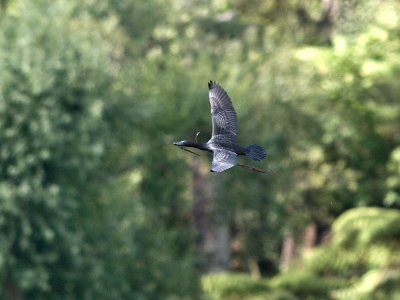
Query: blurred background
[{"x": 96, "y": 202}]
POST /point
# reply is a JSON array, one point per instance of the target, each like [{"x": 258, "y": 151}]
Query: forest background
[{"x": 96, "y": 202}]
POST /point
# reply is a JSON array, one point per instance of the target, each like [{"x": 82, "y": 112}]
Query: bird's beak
[{"x": 175, "y": 143}]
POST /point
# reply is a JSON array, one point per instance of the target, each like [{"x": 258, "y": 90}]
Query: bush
[{"x": 360, "y": 262}]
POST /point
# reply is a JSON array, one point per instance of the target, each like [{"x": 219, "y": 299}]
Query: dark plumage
[{"x": 223, "y": 143}]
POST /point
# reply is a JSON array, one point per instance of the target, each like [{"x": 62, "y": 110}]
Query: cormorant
[{"x": 223, "y": 143}]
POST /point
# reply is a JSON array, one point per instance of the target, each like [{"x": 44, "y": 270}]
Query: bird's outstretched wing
[
  {"x": 223, "y": 160},
  {"x": 223, "y": 115}
]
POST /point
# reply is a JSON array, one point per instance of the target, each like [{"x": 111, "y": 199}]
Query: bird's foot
[{"x": 252, "y": 168}]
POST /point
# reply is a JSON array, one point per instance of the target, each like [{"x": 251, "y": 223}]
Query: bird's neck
[{"x": 200, "y": 146}]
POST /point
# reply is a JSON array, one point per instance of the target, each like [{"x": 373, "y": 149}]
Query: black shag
[{"x": 223, "y": 143}]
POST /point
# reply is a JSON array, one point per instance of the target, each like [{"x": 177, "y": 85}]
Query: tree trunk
[
  {"x": 254, "y": 268},
  {"x": 12, "y": 292},
  {"x": 212, "y": 229},
  {"x": 288, "y": 251},
  {"x": 220, "y": 246},
  {"x": 310, "y": 236}
]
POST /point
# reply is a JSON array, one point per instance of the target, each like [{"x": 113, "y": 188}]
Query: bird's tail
[{"x": 255, "y": 152}]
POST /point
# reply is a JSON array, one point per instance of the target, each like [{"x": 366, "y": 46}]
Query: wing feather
[
  {"x": 223, "y": 160},
  {"x": 223, "y": 139},
  {"x": 223, "y": 115}
]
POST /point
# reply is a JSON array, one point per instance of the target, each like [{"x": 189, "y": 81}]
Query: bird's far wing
[
  {"x": 223, "y": 160},
  {"x": 223, "y": 115}
]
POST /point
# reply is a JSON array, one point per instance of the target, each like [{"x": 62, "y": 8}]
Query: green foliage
[
  {"x": 361, "y": 261},
  {"x": 241, "y": 286},
  {"x": 73, "y": 224},
  {"x": 340, "y": 130},
  {"x": 52, "y": 94},
  {"x": 95, "y": 202}
]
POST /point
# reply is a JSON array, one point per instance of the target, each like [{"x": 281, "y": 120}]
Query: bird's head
[{"x": 182, "y": 143}]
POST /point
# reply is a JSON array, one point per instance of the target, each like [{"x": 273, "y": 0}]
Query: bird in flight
[{"x": 223, "y": 143}]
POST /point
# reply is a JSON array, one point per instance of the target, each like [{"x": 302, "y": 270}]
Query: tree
[
  {"x": 52, "y": 138},
  {"x": 74, "y": 224}
]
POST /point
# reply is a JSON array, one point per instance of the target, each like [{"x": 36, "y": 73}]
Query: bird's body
[
  {"x": 223, "y": 143},
  {"x": 214, "y": 144}
]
